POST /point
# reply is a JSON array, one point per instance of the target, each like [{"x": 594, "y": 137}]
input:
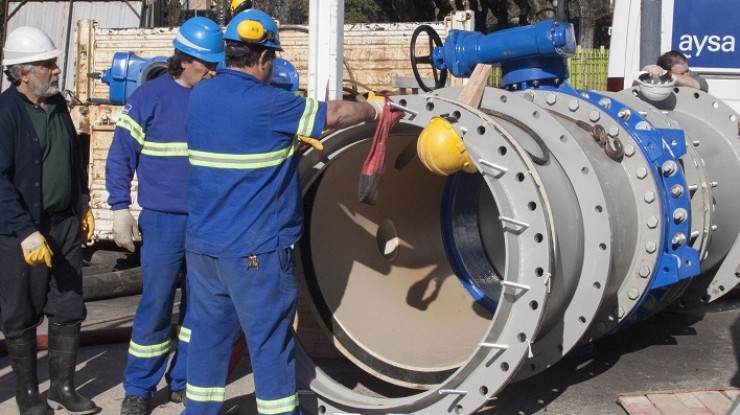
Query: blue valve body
[{"x": 126, "y": 74}]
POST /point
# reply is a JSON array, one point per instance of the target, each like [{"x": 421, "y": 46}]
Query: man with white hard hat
[{"x": 44, "y": 220}]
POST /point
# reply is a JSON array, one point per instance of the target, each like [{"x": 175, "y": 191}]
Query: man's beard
[{"x": 41, "y": 89}]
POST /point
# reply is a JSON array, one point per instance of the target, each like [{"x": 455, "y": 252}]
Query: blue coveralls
[
  {"x": 246, "y": 213},
  {"x": 149, "y": 139}
]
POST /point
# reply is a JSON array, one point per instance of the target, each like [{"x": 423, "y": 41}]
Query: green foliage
[{"x": 363, "y": 11}]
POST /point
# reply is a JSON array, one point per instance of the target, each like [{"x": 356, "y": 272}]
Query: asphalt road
[{"x": 698, "y": 348}]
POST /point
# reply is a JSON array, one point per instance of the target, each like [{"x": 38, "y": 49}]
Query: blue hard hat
[
  {"x": 200, "y": 38},
  {"x": 254, "y": 26},
  {"x": 284, "y": 75}
]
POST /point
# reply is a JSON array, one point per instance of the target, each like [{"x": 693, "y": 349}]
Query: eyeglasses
[{"x": 48, "y": 64}]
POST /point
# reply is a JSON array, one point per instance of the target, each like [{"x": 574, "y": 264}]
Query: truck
[
  {"x": 375, "y": 58},
  {"x": 706, "y": 32}
]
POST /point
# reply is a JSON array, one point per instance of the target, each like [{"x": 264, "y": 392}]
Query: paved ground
[{"x": 699, "y": 348}]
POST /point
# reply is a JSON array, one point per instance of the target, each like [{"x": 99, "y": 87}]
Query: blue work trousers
[
  {"x": 258, "y": 295},
  {"x": 162, "y": 265}
]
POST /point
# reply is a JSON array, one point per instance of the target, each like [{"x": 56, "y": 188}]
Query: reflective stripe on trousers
[
  {"x": 162, "y": 263},
  {"x": 220, "y": 303}
]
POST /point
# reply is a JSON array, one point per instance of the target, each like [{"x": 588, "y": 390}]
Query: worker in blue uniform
[
  {"x": 245, "y": 207},
  {"x": 149, "y": 139}
]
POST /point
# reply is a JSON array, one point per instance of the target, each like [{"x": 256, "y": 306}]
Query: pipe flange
[
  {"x": 713, "y": 125},
  {"x": 636, "y": 222},
  {"x": 494, "y": 359}
]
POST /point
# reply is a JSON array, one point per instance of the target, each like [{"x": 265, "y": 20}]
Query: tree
[{"x": 490, "y": 14}]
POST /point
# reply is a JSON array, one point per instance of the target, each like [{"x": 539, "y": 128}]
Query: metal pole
[
  {"x": 325, "y": 49},
  {"x": 562, "y": 10},
  {"x": 650, "y": 18}
]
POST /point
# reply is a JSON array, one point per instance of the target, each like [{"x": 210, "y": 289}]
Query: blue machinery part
[
  {"x": 529, "y": 53},
  {"x": 284, "y": 75},
  {"x": 128, "y": 71},
  {"x": 589, "y": 211}
]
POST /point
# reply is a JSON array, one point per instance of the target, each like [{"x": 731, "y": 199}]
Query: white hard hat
[
  {"x": 28, "y": 44},
  {"x": 658, "y": 88}
]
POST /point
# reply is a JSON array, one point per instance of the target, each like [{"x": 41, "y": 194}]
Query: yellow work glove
[
  {"x": 311, "y": 142},
  {"x": 87, "y": 221},
  {"x": 378, "y": 102},
  {"x": 36, "y": 250},
  {"x": 125, "y": 229}
]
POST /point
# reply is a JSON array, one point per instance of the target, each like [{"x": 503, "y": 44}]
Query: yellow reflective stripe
[
  {"x": 154, "y": 350},
  {"x": 241, "y": 161},
  {"x": 184, "y": 334},
  {"x": 128, "y": 123},
  {"x": 305, "y": 126},
  {"x": 165, "y": 149},
  {"x": 195, "y": 393},
  {"x": 277, "y": 406}
]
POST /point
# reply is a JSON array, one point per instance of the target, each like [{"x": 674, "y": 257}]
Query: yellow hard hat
[
  {"x": 239, "y": 5},
  {"x": 441, "y": 149}
]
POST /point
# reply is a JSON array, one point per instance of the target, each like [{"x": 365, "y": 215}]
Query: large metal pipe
[
  {"x": 588, "y": 212},
  {"x": 568, "y": 243}
]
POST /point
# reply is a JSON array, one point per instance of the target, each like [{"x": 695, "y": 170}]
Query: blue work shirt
[{"x": 244, "y": 194}]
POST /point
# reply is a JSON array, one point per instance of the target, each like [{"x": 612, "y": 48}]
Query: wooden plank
[
  {"x": 715, "y": 401},
  {"x": 472, "y": 92},
  {"x": 696, "y": 407},
  {"x": 635, "y": 405},
  {"x": 668, "y": 403},
  {"x": 695, "y": 401}
]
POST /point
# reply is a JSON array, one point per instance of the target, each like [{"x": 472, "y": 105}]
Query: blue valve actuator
[
  {"x": 463, "y": 50},
  {"x": 127, "y": 72}
]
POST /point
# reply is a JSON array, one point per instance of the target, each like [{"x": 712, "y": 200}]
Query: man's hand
[
  {"x": 125, "y": 229},
  {"x": 36, "y": 250},
  {"x": 654, "y": 70},
  {"x": 87, "y": 221},
  {"x": 378, "y": 102}
]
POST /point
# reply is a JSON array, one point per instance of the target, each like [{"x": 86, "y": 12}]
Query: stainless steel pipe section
[{"x": 565, "y": 241}]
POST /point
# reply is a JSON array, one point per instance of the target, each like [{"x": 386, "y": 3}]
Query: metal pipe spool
[
  {"x": 711, "y": 129},
  {"x": 449, "y": 288}
]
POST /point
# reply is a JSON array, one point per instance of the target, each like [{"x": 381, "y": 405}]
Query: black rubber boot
[
  {"x": 135, "y": 405},
  {"x": 63, "y": 343},
  {"x": 22, "y": 354}
]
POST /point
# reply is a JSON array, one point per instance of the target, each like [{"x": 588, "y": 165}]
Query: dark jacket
[{"x": 21, "y": 196}]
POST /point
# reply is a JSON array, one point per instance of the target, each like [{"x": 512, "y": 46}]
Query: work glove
[
  {"x": 311, "y": 142},
  {"x": 87, "y": 221},
  {"x": 125, "y": 229},
  {"x": 378, "y": 102},
  {"x": 36, "y": 250}
]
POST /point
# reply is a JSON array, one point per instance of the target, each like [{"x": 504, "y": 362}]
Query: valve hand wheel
[{"x": 440, "y": 76}]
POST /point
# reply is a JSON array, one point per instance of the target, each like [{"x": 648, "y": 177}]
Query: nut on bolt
[
  {"x": 678, "y": 239},
  {"x": 677, "y": 190},
  {"x": 680, "y": 215},
  {"x": 669, "y": 168}
]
